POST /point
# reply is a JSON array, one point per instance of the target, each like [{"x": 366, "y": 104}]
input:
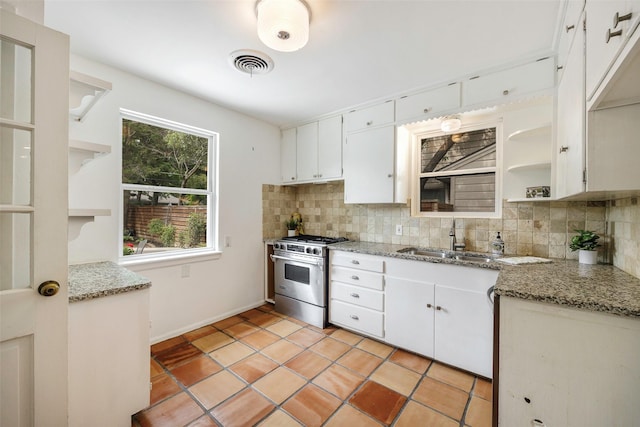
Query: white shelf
[
  {"x": 536, "y": 133},
  {"x": 84, "y": 92},
  {"x": 87, "y": 151},
  {"x": 532, "y": 199},
  {"x": 529, "y": 166},
  {"x": 79, "y": 217}
]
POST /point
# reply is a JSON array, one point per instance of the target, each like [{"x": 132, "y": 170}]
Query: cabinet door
[
  {"x": 509, "y": 83},
  {"x": 370, "y": 117},
  {"x": 288, "y": 156},
  {"x": 330, "y": 148},
  {"x": 420, "y": 105},
  {"x": 369, "y": 166},
  {"x": 604, "y": 40},
  {"x": 409, "y": 315},
  {"x": 307, "y": 152},
  {"x": 570, "y": 141},
  {"x": 464, "y": 330},
  {"x": 571, "y": 25}
]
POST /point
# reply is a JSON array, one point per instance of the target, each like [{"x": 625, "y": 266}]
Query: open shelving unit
[{"x": 84, "y": 92}]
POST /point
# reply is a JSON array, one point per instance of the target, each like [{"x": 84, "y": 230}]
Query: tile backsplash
[{"x": 527, "y": 228}]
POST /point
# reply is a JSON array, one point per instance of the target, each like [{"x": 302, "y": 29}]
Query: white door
[{"x": 34, "y": 98}]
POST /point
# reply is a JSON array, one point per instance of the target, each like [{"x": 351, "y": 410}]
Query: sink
[
  {"x": 474, "y": 258},
  {"x": 424, "y": 252},
  {"x": 479, "y": 258}
]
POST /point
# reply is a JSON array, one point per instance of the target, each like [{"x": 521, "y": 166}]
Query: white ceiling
[{"x": 358, "y": 51}]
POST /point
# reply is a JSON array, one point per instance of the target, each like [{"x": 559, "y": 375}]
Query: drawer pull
[
  {"x": 505, "y": 92},
  {"x": 355, "y": 295},
  {"x": 438, "y": 308},
  {"x": 355, "y": 261},
  {"x": 429, "y": 306},
  {"x": 354, "y": 317},
  {"x": 564, "y": 149},
  {"x": 617, "y": 18},
  {"x": 426, "y": 110},
  {"x": 369, "y": 123},
  {"x": 569, "y": 28},
  {"x": 612, "y": 34},
  {"x": 559, "y": 67},
  {"x": 355, "y": 278}
]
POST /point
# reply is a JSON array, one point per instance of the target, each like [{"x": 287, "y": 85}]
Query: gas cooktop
[{"x": 308, "y": 238}]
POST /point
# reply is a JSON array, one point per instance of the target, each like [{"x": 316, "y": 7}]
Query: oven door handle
[{"x": 275, "y": 257}]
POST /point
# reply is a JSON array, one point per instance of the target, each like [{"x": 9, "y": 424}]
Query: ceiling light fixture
[
  {"x": 451, "y": 123},
  {"x": 283, "y": 25}
]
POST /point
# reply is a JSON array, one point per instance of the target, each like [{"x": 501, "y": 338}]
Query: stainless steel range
[{"x": 301, "y": 277}]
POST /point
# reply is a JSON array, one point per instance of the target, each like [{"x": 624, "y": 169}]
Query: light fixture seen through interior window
[
  {"x": 283, "y": 25},
  {"x": 450, "y": 123}
]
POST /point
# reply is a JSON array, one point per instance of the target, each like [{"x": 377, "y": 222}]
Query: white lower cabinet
[
  {"x": 410, "y": 315},
  {"x": 567, "y": 367},
  {"x": 464, "y": 329},
  {"x": 441, "y": 311}
]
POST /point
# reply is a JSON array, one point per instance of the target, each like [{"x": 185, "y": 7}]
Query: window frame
[
  {"x": 178, "y": 256},
  {"x": 432, "y": 129}
]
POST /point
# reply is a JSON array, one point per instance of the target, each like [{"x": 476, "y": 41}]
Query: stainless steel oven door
[{"x": 301, "y": 278}]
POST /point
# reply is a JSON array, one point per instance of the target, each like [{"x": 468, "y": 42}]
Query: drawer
[
  {"x": 370, "y": 117},
  {"x": 361, "y": 278},
  {"x": 357, "y": 318},
  {"x": 357, "y": 295},
  {"x": 356, "y": 260}
]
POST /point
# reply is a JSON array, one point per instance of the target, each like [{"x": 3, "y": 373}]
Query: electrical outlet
[{"x": 399, "y": 229}]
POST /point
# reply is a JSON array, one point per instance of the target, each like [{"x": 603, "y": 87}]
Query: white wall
[{"x": 249, "y": 157}]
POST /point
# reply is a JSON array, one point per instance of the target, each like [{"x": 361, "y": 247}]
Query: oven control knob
[
  {"x": 308, "y": 250},
  {"x": 276, "y": 245},
  {"x": 316, "y": 251}
]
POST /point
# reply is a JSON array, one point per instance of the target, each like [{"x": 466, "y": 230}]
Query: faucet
[{"x": 453, "y": 245}]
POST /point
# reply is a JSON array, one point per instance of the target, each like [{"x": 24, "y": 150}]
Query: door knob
[{"x": 48, "y": 288}]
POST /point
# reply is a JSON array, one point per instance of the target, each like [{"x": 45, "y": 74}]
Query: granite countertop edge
[
  {"x": 101, "y": 279},
  {"x": 597, "y": 288}
]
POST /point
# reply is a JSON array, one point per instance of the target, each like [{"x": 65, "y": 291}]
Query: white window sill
[{"x": 142, "y": 262}]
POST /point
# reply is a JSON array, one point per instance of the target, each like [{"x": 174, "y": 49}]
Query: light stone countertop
[
  {"x": 600, "y": 288},
  {"x": 101, "y": 279}
]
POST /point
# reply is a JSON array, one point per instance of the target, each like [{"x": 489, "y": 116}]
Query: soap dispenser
[{"x": 497, "y": 246}]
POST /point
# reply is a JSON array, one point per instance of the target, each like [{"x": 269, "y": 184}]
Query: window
[
  {"x": 457, "y": 172},
  {"x": 169, "y": 200}
]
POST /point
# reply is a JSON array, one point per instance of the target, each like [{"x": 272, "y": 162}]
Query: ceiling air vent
[{"x": 251, "y": 61}]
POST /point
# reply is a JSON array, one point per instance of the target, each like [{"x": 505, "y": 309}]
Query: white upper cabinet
[
  {"x": 427, "y": 104},
  {"x": 570, "y": 26},
  {"x": 330, "y": 148},
  {"x": 370, "y": 117},
  {"x": 307, "y": 152},
  {"x": 609, "y": 25},
  {"x": 369, "y": 167},
  {"x": 315, "y": 151},
  {"x": 508, "y": 84},
  {"x": 288, "y": 156}
]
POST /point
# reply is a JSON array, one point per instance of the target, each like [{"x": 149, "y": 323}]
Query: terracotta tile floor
[{"x": 263, "y": 368}]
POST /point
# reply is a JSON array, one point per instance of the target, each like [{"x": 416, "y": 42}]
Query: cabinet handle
[
  {"x": 438, "y": 308},
  {"x": 355, "y": 261},
  {"x": 427, "y": 110},
  {"x": 390, "y": 175},
  {"x": 559, "y": 67},
  {"x": 617, "y": 18},
  {"x": 319, "y": 175},
  {"x": 505, "y": 92},
  {"x": 354, "y": 317},
  {"x": 355, "y": 277},
  {"x": 369, "y": 123},
  {"x": 613, "y": 34},
  {"x": 564, "y": 149},
  {"x": 293, "y": 178},
  {"x": 569, "y": 28},
  {"x": 429, "y": 306},
  {"x": 355, "y": 295}
]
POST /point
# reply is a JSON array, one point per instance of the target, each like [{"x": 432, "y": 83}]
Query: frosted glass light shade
[
  {"x": 451, "y": 124},
  {"x": 283, "y": 25}
]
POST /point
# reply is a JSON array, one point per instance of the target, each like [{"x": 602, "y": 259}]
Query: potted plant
[
  {"x": 586, "y": 243},
  {"x": 292, "y": 225}
]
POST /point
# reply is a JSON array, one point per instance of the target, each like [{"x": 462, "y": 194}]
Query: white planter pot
[
  {"x": 587, "y": 257},
  {"x": 291, "y": 233}
]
